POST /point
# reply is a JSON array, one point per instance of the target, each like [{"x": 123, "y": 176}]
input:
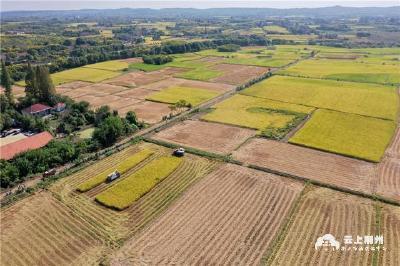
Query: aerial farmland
[{"x": 200, "y": 139}]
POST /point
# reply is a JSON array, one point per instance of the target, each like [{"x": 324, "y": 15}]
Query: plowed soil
[
  {"x": 324, "y": 167},
  {"x": 388, "y": 171},
  {"x": 323, "y": 211},
  {"x": 150, "y": 112},
  {"x": 213, "y": 137},
  {"x": 237, "y": 74},
  {"x": 230, "y": 217}
]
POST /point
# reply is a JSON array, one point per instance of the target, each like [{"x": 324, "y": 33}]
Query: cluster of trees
[
  {"x": 37, "y": 161},
  {"x": 38, "y": 85},
  {"x": 112, "y": 127},
  {"x": 228, "y": 48},
  {"x": 157, "y": 59}
]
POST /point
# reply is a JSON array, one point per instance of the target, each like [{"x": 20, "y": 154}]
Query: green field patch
[
  {"x": 347, "y": 70},
  {"x": 124, "y": 193},
  {"x": 273, "y": 119},
  {"x": 194, "y": 96},
  {"x": 82, "y": 74},
  {"x": 121, "y": 168},
  {"x": 275, "y": 29},
  {"x": 200, "y": 73},
  {"x": 359, "y": 98},
  {"x": 146, "y": 67},
  {"x": 86, "y": 133},
  {"x": 348, "y": 134},
  {"x": 113, "y": 65}
]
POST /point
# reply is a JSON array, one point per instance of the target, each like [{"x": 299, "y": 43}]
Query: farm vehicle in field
[{"x": 114, "y": 175}]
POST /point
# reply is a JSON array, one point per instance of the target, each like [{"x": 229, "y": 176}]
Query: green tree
[
  {"x": 6, "y": 82},
  {"x": 47, "y": 90},
  {"x": 131, "y": 118},
  {"x": 109, "y": 131},
  {"x": 31, "y": 87}
]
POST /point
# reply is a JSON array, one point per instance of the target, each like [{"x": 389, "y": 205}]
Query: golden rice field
[
  {"x": 347, "y": 70},
  {"x": 348, "y": 134},
  {"x": 194, "y": 96},
  {"x": 246, "y": 111},
  {"x": 359, "y": 98},
  {"x": 112, "y": 65},
  {"x": 121, "y": 167},
  {"x": 275, "y": 29},
  {"x": 130, "y": 188},
  {"x": 83, "y": 74}
]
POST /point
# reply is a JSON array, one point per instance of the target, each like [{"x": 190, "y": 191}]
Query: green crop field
[
  {"x": 348, "y": 70},
  {"x": 348, "y": 134},
  {"x": 146, "y": 67},
  {"x": 359, "y": 98},
  {"x": 83, "y": 74},
  {"x": 195, "y": 96},
  {"x": 275, "y": 29},
  {"x": 258, "y": 113},
  {"x": 113, "y": 65},
  {"x": 122, "y": 167},
  {"x": 86, "y": 134},
  {"x": 124, "y": 193}
]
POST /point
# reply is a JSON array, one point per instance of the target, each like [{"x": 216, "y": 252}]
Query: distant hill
[{"x": 334, "y": 11}]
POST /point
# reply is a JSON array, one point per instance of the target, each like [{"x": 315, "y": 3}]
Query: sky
[{"x": 9, "y": 5}]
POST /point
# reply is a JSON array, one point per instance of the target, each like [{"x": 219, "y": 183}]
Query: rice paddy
[
  {"x": 255, "y": 113},
  {"x": 122, "y": 167},
  {"x": 83, "y": 74},
  {"x": 348, "y": 134},
  {"x": 132, "y": 187},
  {"x": 347, "y": 70},
  {"x": 359, "y": 98}
]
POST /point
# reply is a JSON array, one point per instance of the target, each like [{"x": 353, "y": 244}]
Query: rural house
[{"x": 37, "y": 109}]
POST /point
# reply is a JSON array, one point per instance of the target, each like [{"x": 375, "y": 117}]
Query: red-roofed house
[
  {"x": 37, "y": 109},
  {"x": 9, "y": 151}
]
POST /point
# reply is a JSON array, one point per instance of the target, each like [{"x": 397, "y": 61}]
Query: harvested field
[
  {"x": 106, "y": 88},
  {"x": 82, "y": 92},
  {"x": 139, "y": 78},
  {"x": 388, "y": 171},
  {"x": 237, "y": 74},
  {"x": 166, "y": 83},
  {"x": 388, "y": 178},
  {"x": 322, "y": 211},
  {"x": 232, "y": 226},
  {"x": 390, "y": 226},
  {"x": 97, "y": 101},
  {"x": 211, "y": 137},
  {"x": 122, "y": 103},
  {"x": 136, "y": 93},
  {"x": 150, "y": 112},
  {"x": 73, "y": 85},
  {"x": 17, "y": 91},
  {"x": 172, "y": 95},
  {"x": 316, "y": 165},
  {"x": 132, "y": 60},
  {"x": 40, "y": 230}
]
